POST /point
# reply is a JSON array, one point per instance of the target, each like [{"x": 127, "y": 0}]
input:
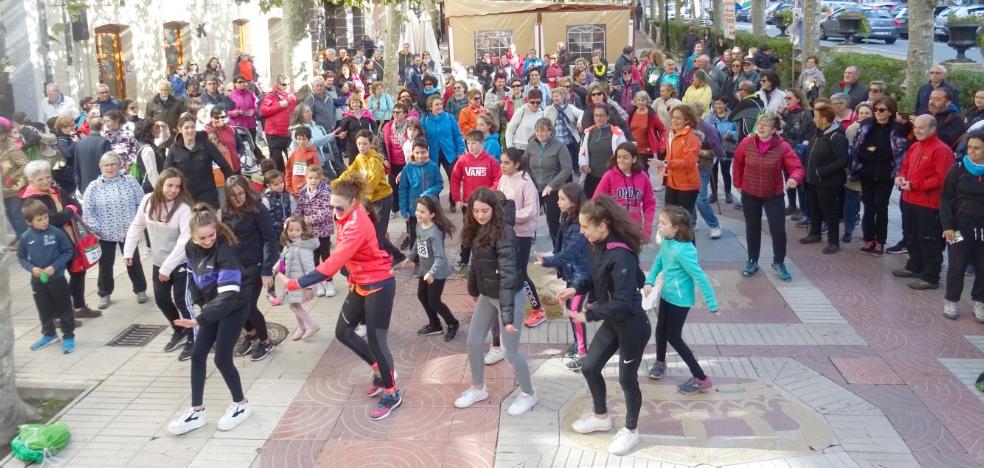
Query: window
[
  {"x": 173, "y": 46},
  {"x": 240, "y": 37},
  {"x": 495, "y": 43},
  {"x": 583, "y": 39},
  {"x": 110, "y": 58}
]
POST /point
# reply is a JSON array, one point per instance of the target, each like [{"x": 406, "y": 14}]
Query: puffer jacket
[
  {"x": 828, "y": 158},
  {"x": 761, "y": 175},
  {"x": 216, "y": 280},
  {"x": 244, "y": 101},
  {"x": 12, "y": 162},
  {"x": 925, "y": 166},
  {"x": 616, "y": 301},
  {"x": 494, "y": 272},
  {"x": 298, "y": 257},
  {"x": 570, "y": 256},
  {"x": 683, "y": 151},
  {"x": 550, "y": 163},
  {"x": 418, "y": 180},
  {"x": 277, "y": 119},
  {"x": 443, "y": 135},
  {"x": 797, "y": 126},
  {"x": 196, "y": 164},
  {"x": 962, "y": 200},
  {"x": 316, "y": 209}
]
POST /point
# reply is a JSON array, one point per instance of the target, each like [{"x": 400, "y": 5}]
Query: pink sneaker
[
  {"x": 274, "y": 300},
  {"x": 537, "y": 316}
]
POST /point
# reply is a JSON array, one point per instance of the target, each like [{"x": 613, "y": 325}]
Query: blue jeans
[
  {"x": 706, "y": 211},
  {"x": 13, "y": 207},
  {"x": 852, "y": 206}
]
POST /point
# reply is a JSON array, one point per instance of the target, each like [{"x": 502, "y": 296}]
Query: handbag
[{"x": 87, "y": 249}]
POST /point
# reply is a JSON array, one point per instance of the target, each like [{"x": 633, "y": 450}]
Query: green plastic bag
[{"x": 37, "y": 441}]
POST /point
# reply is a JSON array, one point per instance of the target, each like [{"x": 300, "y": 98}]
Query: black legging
[
  {"x": 875, "y": 194},
  {"x": 251, "y": 289},
  {"x": 686, "y": 199},
  {"x": 629, "y": 338},
  {"x": 278, "y": 146},
  {"x": 383, "y": 213},
  {"x": 323, "y": 252},
  {"x": 827, "y": 203},
  {"x": 669, "y": 329},
  {"x": 725, "y": 168},
  {"x": 523, "y": 246},
  {"x": 177, "y": 288},
  {"x": 374, "y": 310},
  {"x": 429, "y": 296},
  {"x": 550, "y": 209},
  {"x": 76, "y": 283},
  {"x": 224, "y": 335},
  {"x": 969, "y": 251},
  {"x": 395, "y": 170},
  {"x": 752, "y": 208}
]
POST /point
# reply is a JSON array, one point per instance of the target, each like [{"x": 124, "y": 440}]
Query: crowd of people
[{"x": 588, "y": 143}]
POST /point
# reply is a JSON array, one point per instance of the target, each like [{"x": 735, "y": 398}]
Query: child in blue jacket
[
  {"x": 677, "y": 261},
  {"x": 421, "y": 177},
  {"x": 45, "y": 251}
]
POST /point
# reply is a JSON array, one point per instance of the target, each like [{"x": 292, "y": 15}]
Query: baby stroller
[{"x": 249, "y": 161}]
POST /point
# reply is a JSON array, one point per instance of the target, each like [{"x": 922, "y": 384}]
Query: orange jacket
[
  {"x": 468, "y": 118},
  {"x": 681, "y": 160},
  {"x": 296, "y": 168}
]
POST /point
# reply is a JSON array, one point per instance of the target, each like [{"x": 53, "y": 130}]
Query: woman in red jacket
[
  {"x": 371, "y": 289},
  {"x": 760, "y": 161},
  {"x": 276, "y": 109}
]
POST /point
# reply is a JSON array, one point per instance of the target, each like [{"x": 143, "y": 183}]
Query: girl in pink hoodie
[
  {"x": 628, "y": 184},
  {"x": 518, "y": 185}
]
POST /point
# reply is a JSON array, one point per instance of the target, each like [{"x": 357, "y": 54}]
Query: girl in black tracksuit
[{"x": 612, "y": 292}]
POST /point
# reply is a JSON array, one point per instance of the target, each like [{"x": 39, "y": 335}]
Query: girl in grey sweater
[
  {"x": 432, "y": 266},
  {"x": 297, "y": 260}
]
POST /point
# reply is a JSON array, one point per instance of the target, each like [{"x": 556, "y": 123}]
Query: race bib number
[{"x": 300, "y": 169}]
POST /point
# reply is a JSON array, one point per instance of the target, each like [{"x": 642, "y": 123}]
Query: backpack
[{"x": 139, "y": 170}]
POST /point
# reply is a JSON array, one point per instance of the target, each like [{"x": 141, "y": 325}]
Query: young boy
[
  {"x": 420, "y": 177},
  {"x": 473, "y": 170},
  {"x": 45, "y": 252},
  {"x": 302, "y": 156},
  {"x": 281, "y": 205}
]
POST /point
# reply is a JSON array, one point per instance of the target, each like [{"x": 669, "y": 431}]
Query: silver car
[
  {"x": 941, "y": 31},
  {"x": 881, "y": 24}
]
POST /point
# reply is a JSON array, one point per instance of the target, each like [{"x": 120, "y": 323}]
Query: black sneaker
[
  {"x": 576, "y": 362},
  {"x": 261, "y": 351},
  {"x": 571, "y": 351},
  {"x": 405, "y": 245},
  {"x": 186, "y": 352},
  {"x": 898, "y": 248},
  {"x": 175, "y": 341},
  {"x": 452, "y": 332},
  {"x": 430, "y": 329},
  {"x": 246, "y": 346}
]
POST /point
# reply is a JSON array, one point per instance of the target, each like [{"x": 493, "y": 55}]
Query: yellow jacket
[
  {"x": 370, "y": 165},
  {"x": 700, "y": 95}
]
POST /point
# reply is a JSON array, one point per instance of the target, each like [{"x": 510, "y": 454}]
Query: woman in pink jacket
[
  {"x": 518, "y": 185},
  {"x": 244, "y": 113},
  {"x": 627, "y": 182}
]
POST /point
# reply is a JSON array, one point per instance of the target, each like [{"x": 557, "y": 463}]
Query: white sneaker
[
  {"x": 715, "y": 233},
  {"x": 234, "y": 416},
  {"x": 950, "y": 310},
  {"x": 978, "y": 311},
  {"x": 329, "y": 289},
  {"x": 471, "y": 396},
  {"x": 592, "y": 423},
  {"x": 360, "y": 330},
  {"x": 189, "y": 421},
  {"x": 494, "y": 355},
  {"x": 523, "y": 403},
  {"x": 321, "y": 290},
  {"x": 623, "y": 442}
]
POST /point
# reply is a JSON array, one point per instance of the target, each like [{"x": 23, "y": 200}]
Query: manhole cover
[{"x": 136, "y": 335}]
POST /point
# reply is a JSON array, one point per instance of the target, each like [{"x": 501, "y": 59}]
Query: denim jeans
[
  {"x": 12, "y": 205},
  {"x": 705, "y": 208}
]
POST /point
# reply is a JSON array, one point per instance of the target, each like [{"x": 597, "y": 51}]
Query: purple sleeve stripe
[{"x": 229, "y": 277}]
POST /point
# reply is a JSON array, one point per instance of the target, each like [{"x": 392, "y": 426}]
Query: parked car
[
  {"x": 940, "y": 29},
  {"x": 770, "y": 13},
  {"x": 881, "y": 23},
  {"x": 892, "y": 7},
  {"x": 743, "y": 15},
  {"x": 902, "y": 23}
]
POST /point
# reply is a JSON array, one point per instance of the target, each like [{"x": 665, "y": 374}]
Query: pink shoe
[
  {"x": 311, "y": 332},
  {"x": 274, "y": 300},
  {"x": 299, "y": 333}
]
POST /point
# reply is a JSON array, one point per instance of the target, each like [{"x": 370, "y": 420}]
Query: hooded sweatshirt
[
  {"x": 471, "y": 173},
  {"x": 371, "y": 166},
  {"x": 634, "y": 192},
  {"x": 520, "y": 188},
  {"x": 418, "y": 179}
]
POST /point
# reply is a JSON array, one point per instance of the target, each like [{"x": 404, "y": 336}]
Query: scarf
[
  {"x": 973, "y": 168},
  {"x": 363, "y": 114},
  {"x": 600, "y": 69}
]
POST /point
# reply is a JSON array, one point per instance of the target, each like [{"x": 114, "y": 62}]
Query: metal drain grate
[{"x": 136, "y": 335}]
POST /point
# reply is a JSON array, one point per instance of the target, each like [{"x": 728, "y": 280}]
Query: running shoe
[
  {"x": 781, "y": 272},
  {"x": 360, "y": 330},
  {"x": 261, "y": 351},
  {"x": 329, "y": 289},
  {"x": 658, "y": 371},
  {"x": 729, "y": 198},
  {"x": 142, "y": 297},
  {"x": 751, "y": 268},
  {"x": 868, "y": 247},
  {"x": 898, "y": 248},
  {"x": 274, "y": 300},
  {"x": 715, "y": 233},
  {"x": 903, "y": 273},
  {"x": 320, "y": 290},
  {"x": 920, "y": 284},
  {"x": 950, "y": 310},
  {"x": 694, "y": 386},
  {"x": 175, "y": 341},
  {"x": 452, "y": 332},
  {"x": 235, "y": 414},
  {"x": 376, "y": 387},
  {"x": 471, "y": 396},
  {"x": 44, "y": 341},
  {"x": 246, "y": 346},
  {"x": 571, "y": 351},
  {"x": 537, "y": 317},
  {"x": 386, "y": 405},
  {"x": 191, "y": 419},
  {"x": 523, "y": 403},
  {"x": 405, "y": 245},
  {"x": 623, "y": 442},
  {"x": 878, "y": 250},
  {"x": 430, "y": 329},
  {"x": 978, "y": 311},
  {"x": 494, "y": 355},
  {"x": 592, "y": 423},
  {"x": 103, "y": 302},
  {"x": 68, "y": 345},
  {"x": 186, "y": 352},
  {"x": 576, "y": 363}
]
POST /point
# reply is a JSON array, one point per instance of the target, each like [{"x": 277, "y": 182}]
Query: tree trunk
[
  {"x": 758, "y": 18},
  {"x": 13, "y": 410},
  {"x": 920, "y": 54},
  {"x": 296, "y": 29},
  {"x": 677, "y": 6},
  {"x": 810, "y": 38},
  {"x": 395, "y": 17},
  {"x": 659, "y": 17},
  {"x": 717, "y": 15},
  {"x": 695, "y": 12}
]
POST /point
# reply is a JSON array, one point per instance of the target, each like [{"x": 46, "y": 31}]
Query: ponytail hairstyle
[
  {"x": 575, "y": 193},
  {"x": 604, "y": 210},
  {"x": 440, "y": 219},
  {"x": 155, "y": 206},
  {"x": 202, "y": 215},
  {"x": 306, "y": 231},
  {"x": 487, "y": 234},
  {"x": 679, "y": 218},
  {"x": 522, "y": 165},
  {"x": 352, "y": 187}
]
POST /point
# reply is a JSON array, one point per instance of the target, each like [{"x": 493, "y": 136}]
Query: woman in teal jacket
[
  {"x": 443, "y": 134},
  {"x": 677, "y": 261}
]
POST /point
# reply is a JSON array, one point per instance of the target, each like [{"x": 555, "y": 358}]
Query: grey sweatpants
[{"x": 487, "y": 311}]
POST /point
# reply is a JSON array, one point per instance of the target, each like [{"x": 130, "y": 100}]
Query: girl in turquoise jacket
[{"x": 677, "y": 261}]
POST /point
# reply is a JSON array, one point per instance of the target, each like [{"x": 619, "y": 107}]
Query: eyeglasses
[
  {"x": 874, "y": 90},
  {"x": 597, "y": 94},
  {"x": 881, "y": 109},
  {"x": 598, "y": 116},
  {"x": 534, "y": 101},
  {"x": 219, "y": 117},
  {"x": 567, "y": 86}
]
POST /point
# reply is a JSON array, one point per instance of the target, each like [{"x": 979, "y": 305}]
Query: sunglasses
[
  {"x": 220, "y": 117},
  {"x": 600, "y": 116},
  {"x": 281, "y": 84},
  {"x": 874, "y": 90},
  {"x": 882, "y": 109},
  {"x": 597, "y": 94},
  {"x": 534, "y": 101},
  {"x": 338, "y": 208}
]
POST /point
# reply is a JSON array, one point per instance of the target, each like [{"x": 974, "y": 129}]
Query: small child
[
  {"x": 45, "y": 251},
  {"x": 473, "y": 170},
  {"x": 281, "y": 205},
  {"x": 213, "y": 137},
  {"x": 677, "y": 261},
  {"x": 570, "y": 258},
  {"x": 314, "y": 204},
  {"x": 627, "y": 182},
  {"x": 257, "y": 181},
  {"x": 303, "y": 156},
  {"x": 488, "y": 128},
  {"x": 297, "y": 260},
  {"x": 433, "y": 267},
  {"x": 420, "y": 177}
]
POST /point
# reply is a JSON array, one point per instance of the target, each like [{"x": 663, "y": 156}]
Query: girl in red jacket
[
  {"x": 628, "y": 184},
  {"x": 371, "y": 289}
]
